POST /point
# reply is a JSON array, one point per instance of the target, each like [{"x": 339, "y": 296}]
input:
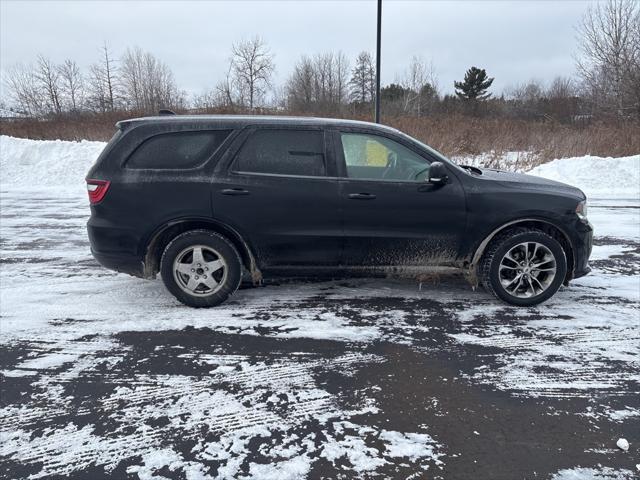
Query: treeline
[
  {"x": 595, "y": 112},
  {"x": 607, "y": 84},
  {"x": 135, "y": 81}
]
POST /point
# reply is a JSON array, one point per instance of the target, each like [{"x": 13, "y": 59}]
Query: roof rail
[{"x": 165, "y": 111}]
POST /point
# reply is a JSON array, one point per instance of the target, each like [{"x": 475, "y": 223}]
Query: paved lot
[{"x": 104, "y": 375}]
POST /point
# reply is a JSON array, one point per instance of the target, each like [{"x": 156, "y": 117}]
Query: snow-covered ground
[
  {"x": 29, "y": 164},
  {"x": 106, "y": 373},
  {"x": 598, "y": 177}
]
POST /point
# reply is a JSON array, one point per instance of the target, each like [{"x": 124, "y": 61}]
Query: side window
[
  {"x": 374, "y": 157},
  {"x": 283, "y": 152},
  {"x": 177, "y": 150}
]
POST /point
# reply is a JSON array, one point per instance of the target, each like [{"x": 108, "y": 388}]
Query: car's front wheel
[
  {"x": 523, "y": 267},
  {"x": 201, "y": 268}
]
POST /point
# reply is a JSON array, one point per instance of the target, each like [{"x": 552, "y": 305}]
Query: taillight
[{"x": 97, "y": 190}]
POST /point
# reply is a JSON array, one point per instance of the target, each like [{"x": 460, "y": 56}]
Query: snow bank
[
  {"x": 25, "y": 163},
  {"x": 596, "y": 176},
  {"x": 60, "y": 163}
]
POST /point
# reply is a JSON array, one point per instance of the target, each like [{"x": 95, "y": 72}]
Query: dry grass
[
  {"x": 453, "y": 135},
  {"x": 457, "y": 136},
  {"x": 85, "y": 127}
]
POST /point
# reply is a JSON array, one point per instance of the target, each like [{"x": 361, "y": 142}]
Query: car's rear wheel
[
  {"x": 523, "y": 267},
  {"x": 201, "y": 268}
]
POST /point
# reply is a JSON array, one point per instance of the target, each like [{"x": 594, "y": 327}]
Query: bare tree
[
  {"x": 72, "y": 84},
  {"x": 223, "y": 95},
  {"x": 204, "y": 100},
  {"x": 561, "y": 87},
  {"x": 103, "y": 84},
  {"x": 252, "y": 67},
  {"x": 24, "y": 91},
  {"x": 341, "y": 75},
  {"x": 323, "y": 78},
  {"x": 227, "y": 92},
  {"x": 528, "y": 92},
  {"x": 525, "y": 100},
  {"x": 319, "y": 83},
  {"x": 562, "y": 102},
  {"x": 532, "y": 99},
  {"x": 148, "y": 83},
  {"x": 334, "y": 69},
  {"x": 109, "y": 73},
  {"x": 97, "y": 97},
  {"x": 301, "y": 86},
  {"x": 420, "y": 86},
  {"x": 49, "y": 79},
  {"x": 610, "y": 61}
]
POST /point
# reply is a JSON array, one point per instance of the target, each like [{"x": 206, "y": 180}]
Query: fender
[
  {"x": 472, "y": 273},
  {"x": 152, "y": 245}
]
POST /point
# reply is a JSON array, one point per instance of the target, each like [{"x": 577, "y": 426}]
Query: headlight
[{"x": 581, "y": 209}]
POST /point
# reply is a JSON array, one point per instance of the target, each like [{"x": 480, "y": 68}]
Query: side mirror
[{"x": 438, "y": 174}]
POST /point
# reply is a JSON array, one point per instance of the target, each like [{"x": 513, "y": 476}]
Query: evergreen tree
[
  {"x": 427, "y": 98},
  {"x": 392, "y": 93},
  {"x": 475, "y": 85},
  {"x": 363, "y": 79}
]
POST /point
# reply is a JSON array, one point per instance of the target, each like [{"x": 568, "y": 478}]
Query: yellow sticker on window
[{"x": 377, "y": 154}]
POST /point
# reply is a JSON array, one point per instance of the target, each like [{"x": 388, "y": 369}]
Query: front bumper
[{"x": 582, "y": 246}]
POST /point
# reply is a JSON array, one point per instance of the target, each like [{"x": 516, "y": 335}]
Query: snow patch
[
  {"x": 292, "y": 469},
  {"x": 603, "y": 473},
  {"x": 621, "y": 415},
  {"x": 409, "y": 445},
  {"x": 622, "y": 444}
]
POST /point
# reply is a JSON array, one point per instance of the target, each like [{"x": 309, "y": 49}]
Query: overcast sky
[{"x": 513, "y": 41}]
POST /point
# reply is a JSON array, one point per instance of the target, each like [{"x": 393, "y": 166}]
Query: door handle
[
  {"x": 234, "y": 191},
  {"x": 362, "y": 196}
]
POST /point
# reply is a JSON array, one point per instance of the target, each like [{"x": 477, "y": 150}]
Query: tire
[
  {"x": 201, "y": 268},
  {"x": 505, "y": 260}
]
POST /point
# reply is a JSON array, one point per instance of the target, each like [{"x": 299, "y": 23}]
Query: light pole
[{"x": 378, "y": 62}]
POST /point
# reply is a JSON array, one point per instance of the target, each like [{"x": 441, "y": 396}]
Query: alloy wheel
[
  {"x": 527, "y": 270},
  {"x": 199, "y": 270}
]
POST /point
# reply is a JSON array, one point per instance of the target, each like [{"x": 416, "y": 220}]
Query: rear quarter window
[{"x": 179, "y": 150}]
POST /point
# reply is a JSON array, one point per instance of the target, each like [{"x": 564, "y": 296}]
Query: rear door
[
  {"x": 280, "y": 192},
  {"x": 392, "y": 215}
]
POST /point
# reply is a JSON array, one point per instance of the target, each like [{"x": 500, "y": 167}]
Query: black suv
[{"x": 205, "y": 200}]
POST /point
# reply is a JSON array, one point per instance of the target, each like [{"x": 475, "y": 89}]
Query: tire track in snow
[{"x": 141, "y": 412}]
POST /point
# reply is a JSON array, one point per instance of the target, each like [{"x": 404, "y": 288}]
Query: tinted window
[
  {"x": 379, "y": 158},
  {"x": 177, "y": 150},
  {"x": 283, "y": 152}
]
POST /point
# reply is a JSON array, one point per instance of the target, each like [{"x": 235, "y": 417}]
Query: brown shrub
[{"x": 457, "y": 135}]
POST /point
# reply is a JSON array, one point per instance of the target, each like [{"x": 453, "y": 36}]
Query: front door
[
  {"x": 392, "y": 216},
  {"x": 280, "y": 192}
]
